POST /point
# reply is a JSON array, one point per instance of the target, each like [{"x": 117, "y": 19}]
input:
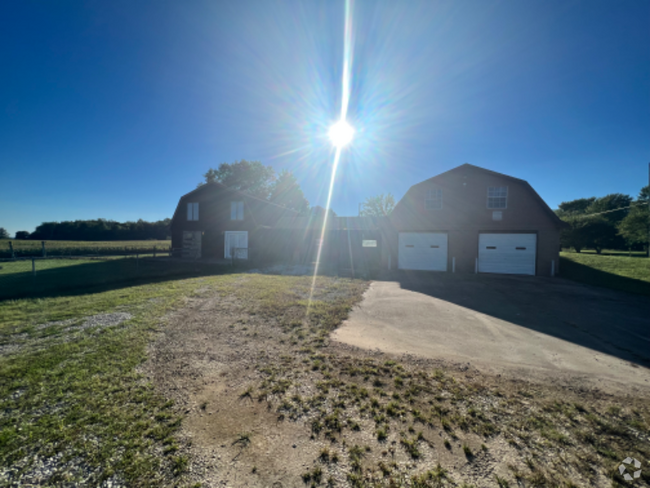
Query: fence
[{"x": 51, "y": 275}]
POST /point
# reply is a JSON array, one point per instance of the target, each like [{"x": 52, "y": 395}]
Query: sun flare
[{"x": 341, "y": 134}]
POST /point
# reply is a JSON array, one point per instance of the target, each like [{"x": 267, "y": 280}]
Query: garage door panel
[
  {"x": 507, "y": 253},
  {"x": 425, "y": 251}
]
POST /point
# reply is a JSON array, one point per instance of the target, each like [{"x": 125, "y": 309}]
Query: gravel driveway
[{"x": 547, "y": 328}]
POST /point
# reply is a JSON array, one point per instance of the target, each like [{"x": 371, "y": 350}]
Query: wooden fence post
[
  {"x": 11, "y": 250},
  {"x": 154, "y": 251},
  {"x": 43, "y": 248}
]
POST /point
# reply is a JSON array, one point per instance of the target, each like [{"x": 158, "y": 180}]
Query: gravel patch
[
  {"x": 95, "y": 322},
  {"x": 43, "y": 471},
  {"x": 102, "y": 321},
  {"x": 55, "y": 323}
]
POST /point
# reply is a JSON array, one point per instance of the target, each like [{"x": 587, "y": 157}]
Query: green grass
[
  {"x": 78, "y": 394},
  {"x": 56, "y": 248},
  {"x": 60, "y": 275},
  {"x": 619, "y": 272}
]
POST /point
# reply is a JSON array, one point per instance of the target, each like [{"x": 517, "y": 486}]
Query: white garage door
[
  {"x": 507, "y": 253},
  {"x": 422, "y": 251}
]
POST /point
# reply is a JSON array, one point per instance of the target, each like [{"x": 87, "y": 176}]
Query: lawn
[
  {"x": 78, "y": 410},
  {"x": 58, "y": 275},
  {"x": 71, "y": 398},
  {"x": 58, "y": 248},
  {"x": 75, "y": 409},
  {"x": 619, "y": 272}
]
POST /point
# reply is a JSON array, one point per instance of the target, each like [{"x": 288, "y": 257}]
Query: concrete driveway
[{"x": 548, "y": 328}]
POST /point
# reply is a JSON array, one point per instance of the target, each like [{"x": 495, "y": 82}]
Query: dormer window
[
  {"x": 497, "y": 197},
  {"x": 434, "y": 199},
  {"x": 193, "y": 211},
  {"x": 236, "y": 210}
]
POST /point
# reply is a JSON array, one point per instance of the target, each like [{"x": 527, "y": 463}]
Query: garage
[
  {"x": 424, "y": 251},
  {"x": 507, "y": 253}
]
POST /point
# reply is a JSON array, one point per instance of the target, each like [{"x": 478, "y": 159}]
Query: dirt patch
[{"x": 269, "y": 401}]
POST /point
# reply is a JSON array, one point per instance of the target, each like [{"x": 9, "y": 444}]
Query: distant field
[
  {"x": 29, "y": 247},
  {"x": 620, "y": 272}
]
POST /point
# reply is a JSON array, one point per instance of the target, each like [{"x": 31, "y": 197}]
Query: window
[
  {"x": 497, "y": 197},
  {"x": 434, "y": 199},
  {"x": 368, "y": 243},
  {"x": 193, "y": 211},
  {"x": 236, "y": 210}
]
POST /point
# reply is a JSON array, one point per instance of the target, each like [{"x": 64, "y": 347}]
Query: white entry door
[
  {"x": 425, "y": 251},
  {"x": 507, "y": 253},
  {"x": 236, "y": 244}
]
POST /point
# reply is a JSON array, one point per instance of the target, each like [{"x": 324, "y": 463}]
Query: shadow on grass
[
  {"x": 102, "y": 275},
  {"x": 575, "y": 271}
]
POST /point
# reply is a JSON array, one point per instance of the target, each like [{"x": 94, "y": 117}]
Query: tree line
[
  {"x": 615, "y": 221},
  {"x": 99, "y": 230}
]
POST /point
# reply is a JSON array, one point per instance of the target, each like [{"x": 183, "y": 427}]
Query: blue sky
[{"x": 115, "y": 109}]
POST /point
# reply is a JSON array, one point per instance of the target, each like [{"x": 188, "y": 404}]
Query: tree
[
  {"x": 286, "y": 191},
  {"x": 3, "y": 233},
  {"x": 249, "y": 176},
  {"x": 635, "y": 227},
  {"x": 574, "y": 236},
  {"x": 572, "y": 207},
  {"x": 378, "y": 206},
  {"x": 102, "y": 230},
  {"x": 22, "y": 234},
  {"x": 588, "y": 232},
  {"x": 611, "y": 202},
  {"x": 593, "y": 224}
]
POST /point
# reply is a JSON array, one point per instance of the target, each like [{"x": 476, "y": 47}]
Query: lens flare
[{"x": 341, "y": 134}]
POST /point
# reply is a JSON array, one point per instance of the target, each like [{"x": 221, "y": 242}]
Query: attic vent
[
  {"x": 490, "y": 247},
  {"x": 520, "y": 248}
]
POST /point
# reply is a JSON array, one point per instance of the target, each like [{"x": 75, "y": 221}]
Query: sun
[{"x": 341, "y": 133}]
